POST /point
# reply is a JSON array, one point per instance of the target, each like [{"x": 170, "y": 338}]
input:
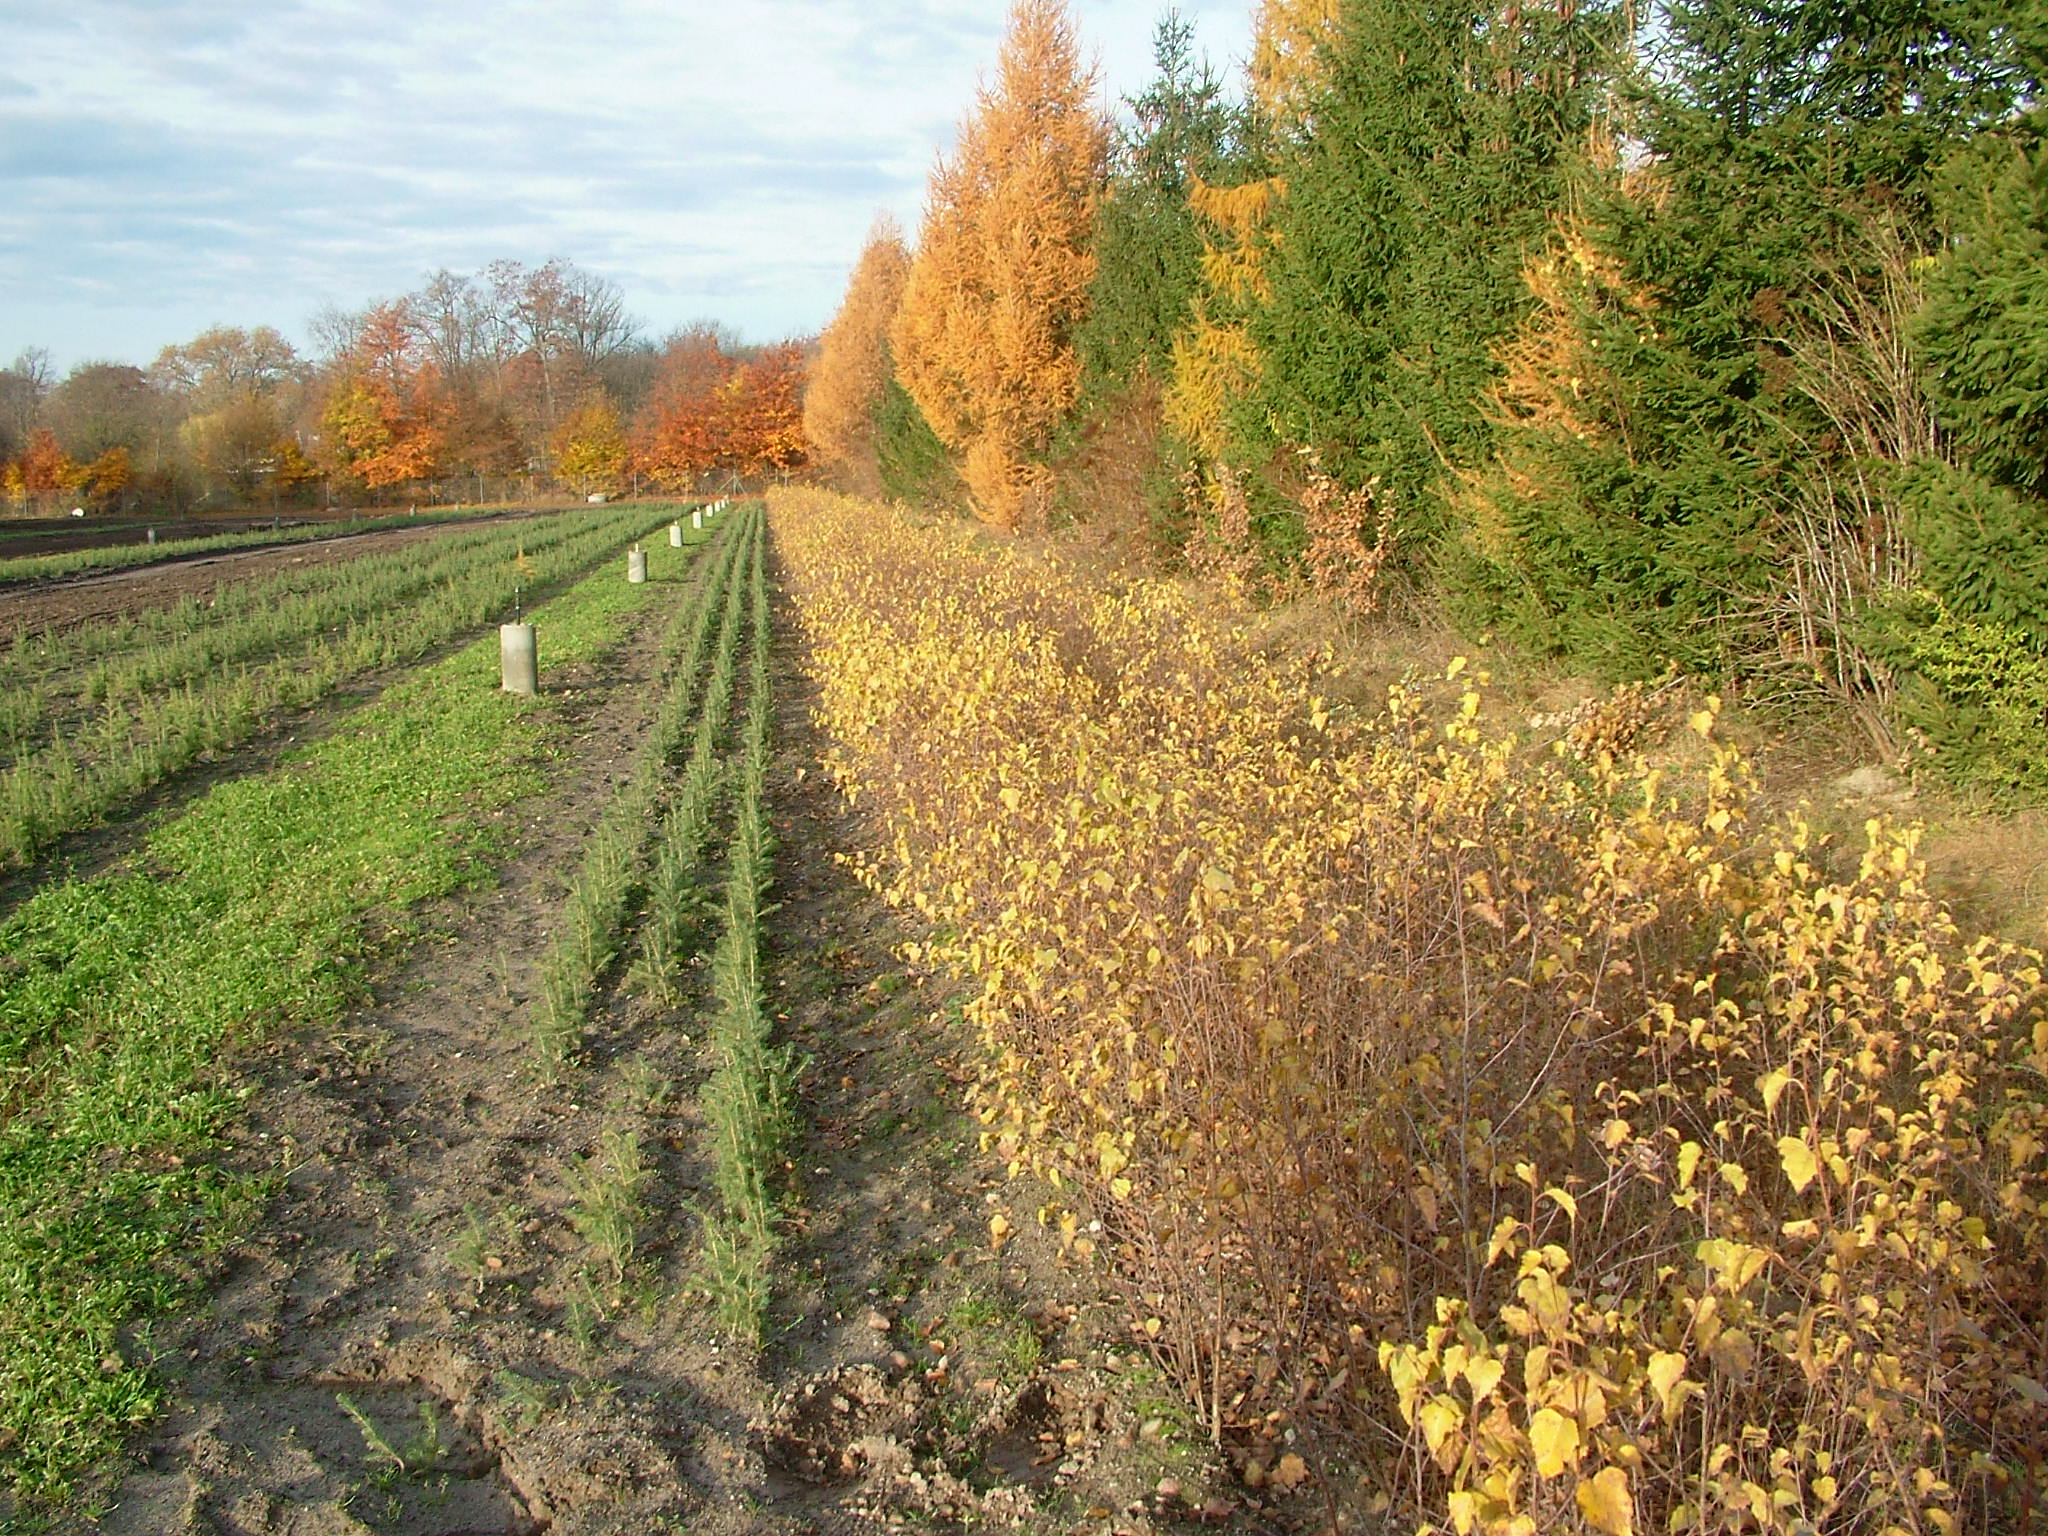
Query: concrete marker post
[
  {"x": 675, "y": 535},
  {"x": 518, "y": 659},
  {"x": 636, "y": 564},
  {"x": 697, "y": 518}
]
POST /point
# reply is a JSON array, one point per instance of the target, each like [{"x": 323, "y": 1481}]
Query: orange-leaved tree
[
  {"x": 387, "y": 415},
  {"x": 763, "y": 416},
  {"x": 853, "y": 364},
  {"x": 45, "y": 467},
  {"x": 675, "y": 435},
  {"x": 712, "y": 413},
  {"x": 984, "y": 338}
]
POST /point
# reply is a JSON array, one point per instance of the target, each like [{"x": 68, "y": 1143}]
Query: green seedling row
[
  {"x": 157, "y": 647},
  {"x": 748, "y": 1099},
  {"x": 183, "y": 694},
  {"x": 594, "y": 915},
  {"x": 669, "y": 924},
  {"x": 120, "y": 557},
  {"x": 126, "y": 998}
]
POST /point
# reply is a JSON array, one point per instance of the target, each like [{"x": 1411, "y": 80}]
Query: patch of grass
[{"x": 989, "y": 1326}]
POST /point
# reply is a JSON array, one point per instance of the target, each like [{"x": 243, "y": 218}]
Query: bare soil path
[{"x": 429, "y": 1331}]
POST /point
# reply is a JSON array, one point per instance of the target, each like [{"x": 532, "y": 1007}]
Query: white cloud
[{"x": 169, "y": 164}]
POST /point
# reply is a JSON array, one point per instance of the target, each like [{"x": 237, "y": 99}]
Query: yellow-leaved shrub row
[{"x": 1598, "y": 1159}]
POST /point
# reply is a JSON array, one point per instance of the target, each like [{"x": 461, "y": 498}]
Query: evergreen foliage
[
  {"x": 1686, "y": 456},
  {"x": 1148, "y": 251},
  {"x": 912, "y": 463},
  {"x": 1429, "y": 160}
]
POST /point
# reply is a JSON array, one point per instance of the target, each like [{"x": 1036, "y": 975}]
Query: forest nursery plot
[
  {"x": 124, "y": 998},
  {"x": 1549, "y": 1141},
  {"x": 645, "y": 860},
  {"x": 140, "y": 551},
  {"x": 93, "y": 715},
  {"x": 616, "y": 857}
]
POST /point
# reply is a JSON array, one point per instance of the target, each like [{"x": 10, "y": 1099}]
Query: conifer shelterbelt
[
  {"x": 984, "y": 339},
  {"x": 1690, "y": 334}
]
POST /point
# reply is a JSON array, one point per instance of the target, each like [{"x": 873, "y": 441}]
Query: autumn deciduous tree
[
  {"x": 711, "y": 412},
  {"x": 386, "y": 414},
  {"x": 590, "y": 448},
  {"x": 763, "y": 418},
  {"x": 107, "y": 476},
  {"x": 44, "y": 466},
  {"x": 853, "y": 365},
  {"x": 983, "y": 341}
]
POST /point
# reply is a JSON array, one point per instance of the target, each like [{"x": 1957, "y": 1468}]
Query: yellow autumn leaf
[
  {"x": 1483, "y": 1375},
  {"x": 1605, "y": 1502},
  {"x": 1798, "y": 1161},
  {"x": 1291, "y": 1471},
  {"x": 1771, "y": 1086},
  {"x": 1011, "y": 798},
  {"x": 1666, "y": 1370},
  {"x": 1688, "y": 1163},
  {"x": 1555, "y": 1440},
  {"x": 1440, "y": 1418}
]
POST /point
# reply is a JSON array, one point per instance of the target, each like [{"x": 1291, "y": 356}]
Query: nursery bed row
[
  {"x": 107, "y": 558},
  {"x": 93, "y": 717}
]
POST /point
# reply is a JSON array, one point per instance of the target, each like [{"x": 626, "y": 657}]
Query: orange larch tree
[
  {"x": 983, "y": 340},
  {"x": 852, "y": 366}
]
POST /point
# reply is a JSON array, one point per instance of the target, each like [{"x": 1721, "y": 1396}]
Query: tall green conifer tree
[
  {"x": 1684, "y": 458},
  {"x": 1432, "y": 156}
]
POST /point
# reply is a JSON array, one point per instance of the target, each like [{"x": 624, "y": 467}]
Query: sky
[{"x": 169, "y": 165}]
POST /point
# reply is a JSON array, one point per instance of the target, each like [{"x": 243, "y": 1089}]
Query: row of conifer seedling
[{"x": 649, "y": 851}]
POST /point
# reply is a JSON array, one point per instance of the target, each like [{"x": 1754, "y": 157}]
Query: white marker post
[{"x": 518, "y": 659}]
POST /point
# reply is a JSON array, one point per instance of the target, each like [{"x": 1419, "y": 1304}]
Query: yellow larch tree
[
  {"x": 1214, "y": 361},
  {"x": 852, "y": 366},
  {"x": 983, "y": 340}
]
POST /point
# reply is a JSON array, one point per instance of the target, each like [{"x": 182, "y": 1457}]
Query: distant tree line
[
  {"x": 1707, "y": 332},
  {"x": 512, "y": 381}
]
